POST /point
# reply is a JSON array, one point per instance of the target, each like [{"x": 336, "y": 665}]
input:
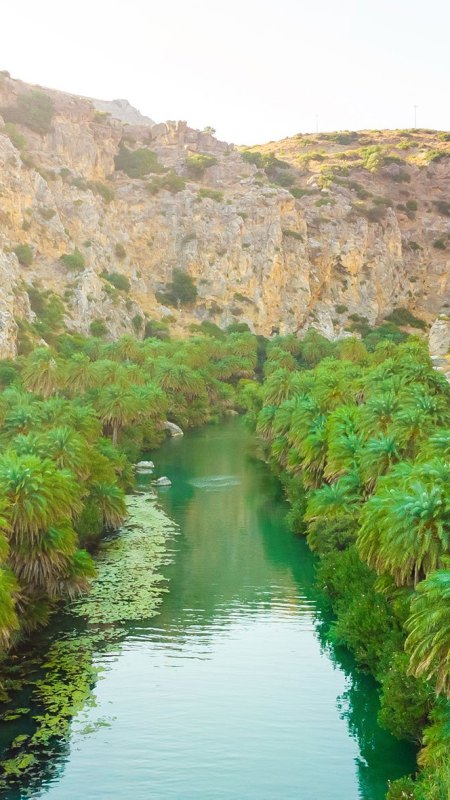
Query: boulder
[
  {"x": 145, "y": 465},
  {"x": 173, "y": 429},
  {"x": 163, "y": 481},
  {"x": 439, "y": 338}
]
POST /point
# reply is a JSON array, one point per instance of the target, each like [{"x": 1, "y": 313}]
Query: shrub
[
  {"x": 119, "y": 251},
  {"x": 211, "y": 194},
  {"x": 171, "y": 182},
  {"x": 119, "y": 281},
  {"x": 15, "y": 136},
  {"x": 414, "y": 246},
  {"x": 401, "y": 176},
  {"x": 103, "y": 190},
  {"x": 98, "y": 328},
  {"x": 292, "y": 234},
  {"x": 340, "y": 309},
  {"x": 47, "y": 213},
  {"x": 412, "y": 205},
  {"x": 403, "y": 316},
  {"x": 137, "y": 163},
  {"x": 442, "y": 207},
  {"x": 299, "y": 193},
  {"x": 24, "y": 254},
  {"x": 34, "y": 109},
  {"x": 180, "y": 291},
  {"x": 156, "y": 330},
  {"x": 137, "y": 322},
  {"x": 439, "y": 244},
  {"x": 73, "y": 260},
  {"x": 198, "y": 163}
]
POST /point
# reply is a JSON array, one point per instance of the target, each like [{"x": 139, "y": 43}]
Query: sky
[{"x": 255, "y": 70}]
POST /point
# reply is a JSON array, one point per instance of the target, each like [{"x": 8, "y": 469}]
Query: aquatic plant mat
[{"x": 43, "y": 693}]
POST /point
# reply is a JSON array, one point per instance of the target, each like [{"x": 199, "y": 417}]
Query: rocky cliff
[{"x": 314, "y": 230}]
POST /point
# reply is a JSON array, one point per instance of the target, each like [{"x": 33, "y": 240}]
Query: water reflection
[{"x": 233, "y": 690}]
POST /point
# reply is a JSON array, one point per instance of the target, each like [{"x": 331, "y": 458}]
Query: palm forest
[{"x": 356, "y": 432}]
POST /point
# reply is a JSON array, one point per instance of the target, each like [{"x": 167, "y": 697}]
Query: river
[{"x": 232, "y": 692}]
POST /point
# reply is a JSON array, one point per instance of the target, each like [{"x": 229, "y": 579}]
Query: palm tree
[
  {"x": 377, "y": 457},
  {"x": 42, "y": 372},
  {"x": 111, "y": 502},
  {"x": 67, "y": 449},
  {"x": 37, "y": 495},
  {"x": 9, "y": 623},
  {"x": 428, "y": 642},
  {"x": 77, "y": 374},
  {"x": 378, "y": 413},
  {"x": 406, "y": 530},
  {"x": 117, "y": 407}
]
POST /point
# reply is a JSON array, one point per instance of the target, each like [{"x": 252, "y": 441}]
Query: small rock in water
[
  {"x": 164, "y": 481},
  {"x": 145, "y": 465}
]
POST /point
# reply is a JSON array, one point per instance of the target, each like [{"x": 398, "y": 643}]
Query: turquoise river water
[{"x": 232, "y": 691}]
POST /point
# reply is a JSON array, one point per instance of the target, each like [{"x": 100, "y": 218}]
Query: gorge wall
[{"x": 308, "y": 231}]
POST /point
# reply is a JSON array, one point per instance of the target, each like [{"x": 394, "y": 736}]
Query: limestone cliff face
[{"x": 257, "y": 253}]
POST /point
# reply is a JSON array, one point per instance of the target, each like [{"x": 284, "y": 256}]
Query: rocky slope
[{"x": 312, "y": 230}]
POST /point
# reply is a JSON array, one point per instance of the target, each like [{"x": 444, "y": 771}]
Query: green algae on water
[{"x": 129, "y": 586}]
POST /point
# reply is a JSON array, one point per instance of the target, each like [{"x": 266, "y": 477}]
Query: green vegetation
[
  {"x": 211, "y": 194},
  {"x": 402, "y": 316},
  {"x": 105, "y": 191},
  {"x": 293, "y": 234},
  {"x": 24, "y": 254},
  {"x": 119, "y": 281},
  {"x": 98, "y": 328},
  {"x": 73, "y": 260},
  {"x": 15, "y": 135},
  {"x": 198, "y": 163},
  {"x": 137, "y": 163},
  {"x": 57, "y": 465},
  {"x": 34, "y": 109},
  {"x": 170, "y": 181},
  {"x": 180, "y": 291},
  {"x": 361, "y": 444},
  {"x": 119, "y": 251}
]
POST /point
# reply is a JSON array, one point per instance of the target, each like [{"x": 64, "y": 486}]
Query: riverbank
[
  {"x": 232, "y": 687},
  {"x": 361, "y": 446}
]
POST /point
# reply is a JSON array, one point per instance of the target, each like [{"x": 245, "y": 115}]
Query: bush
[
  {"x": 402, "y": 316},
  {"x": 171, "y": 182},
  {"x": 47, "y": 213},
  {"x": 103, "y": 190},
  {"x": 15, "y": 136},
  {"x": 412, "y": 205},
  {"x": 137, "y": 163},
  {"x": 119, "y": 281},
  {"x": 73, "y": 260},
  {"x": 34, "y": 109},
  {"x": 212, "y": 194},
  {"x": 137, "y": 322},
  {"x": 156, "y": 330},
  {"x": 439, "y": 244},
  {"x": 442, "y": 207},
  {"x": 292, "y": 234},
  {"x": 340, "y": 309},
  {"x": 181, "y": 290},
  {"x": 98, "y": 328},
  {"x": 198, "y": 163},
  {"x": 119, "y": 251},
  {"x": 24, "y": 254}
]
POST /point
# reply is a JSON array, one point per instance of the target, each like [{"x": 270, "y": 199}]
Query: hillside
[{"x": 327, "y": 230}]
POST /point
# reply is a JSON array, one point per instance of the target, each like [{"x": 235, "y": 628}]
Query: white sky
[{"x": 256, "y": 70}]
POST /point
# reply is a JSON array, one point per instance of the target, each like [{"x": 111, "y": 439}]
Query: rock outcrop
[{"x": 309, "y": 231}]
